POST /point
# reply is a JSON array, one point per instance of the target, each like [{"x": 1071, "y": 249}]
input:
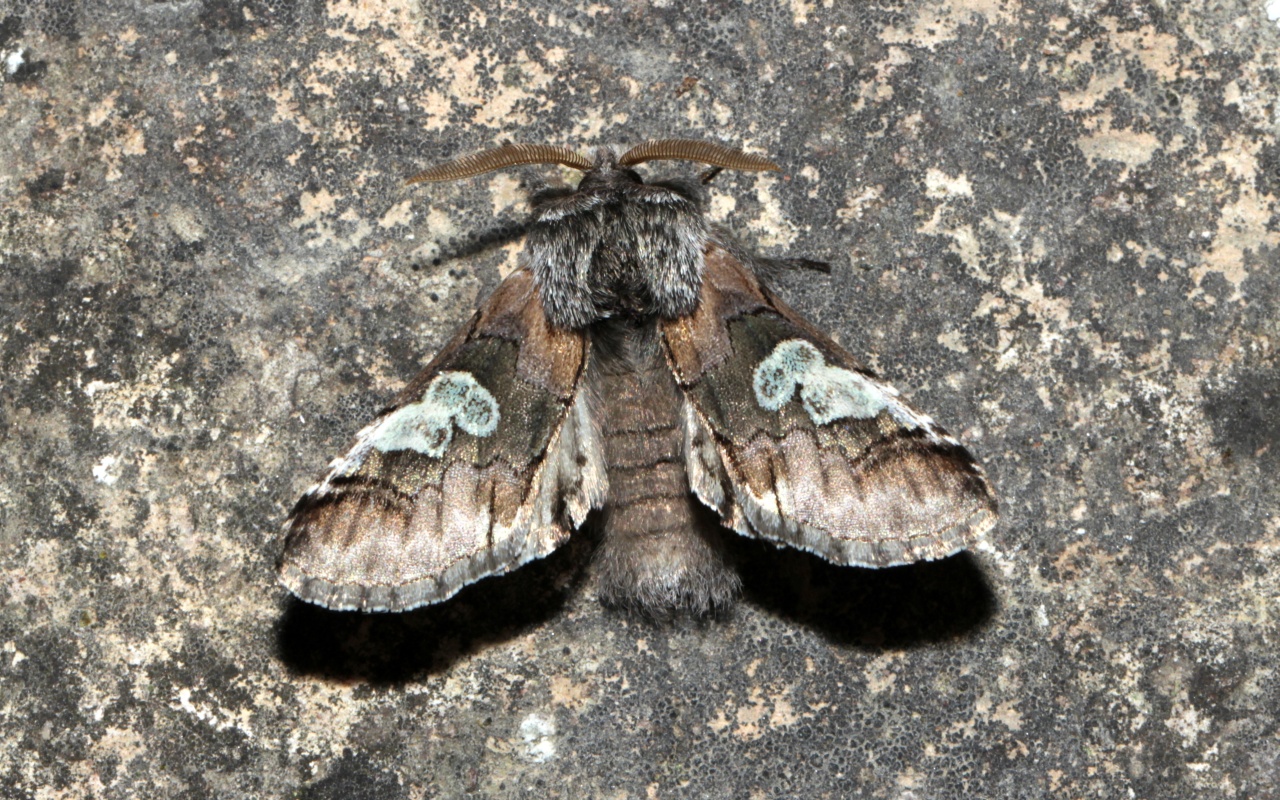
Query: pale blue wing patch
[
  {"x": 831, "y": 393},
  {"x": 417, "y": 426},
  {"x": 458, "y": 396},
  {"x": 776, "y": 377},
  {"x": 827, "y": 393},
  {"x": 427, "y": 425},
  {"x": 452, "y": 398}
]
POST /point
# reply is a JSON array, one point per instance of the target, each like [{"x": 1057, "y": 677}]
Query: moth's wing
[
  {"x": 790, "y": 440},
  {"x": 479, "y": 466}
]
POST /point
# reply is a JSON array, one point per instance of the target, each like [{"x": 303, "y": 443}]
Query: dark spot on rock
[
  {"x": 46, "y": 183},
  {"x": 1242, "y": 411},
  {"x": 185, "y": 251},
  {"x": 61, "y": 18},
  {"x": 10, "y": 27},
  {"x": 223, "y": 14},
  {"x": 1268, "y": 175},
  {"x": 354, "y": 777},
  {"x": 30, "y": 71}
]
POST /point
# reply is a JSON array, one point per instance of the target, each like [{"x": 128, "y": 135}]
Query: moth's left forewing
[
  {"x": 789, "y": 439},
  {"x": 480, "y": 465}
]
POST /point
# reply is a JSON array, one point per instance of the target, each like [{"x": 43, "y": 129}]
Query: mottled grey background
[{"x": 1054, "y": 226}]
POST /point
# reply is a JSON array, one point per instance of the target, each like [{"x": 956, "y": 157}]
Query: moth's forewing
[
  {"x": 789, "y": 439},
  {"x": 479, "y": 466}
]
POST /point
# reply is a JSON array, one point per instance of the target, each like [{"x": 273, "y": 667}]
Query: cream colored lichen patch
[
  {"x": 749, "y": 716},
  {"x": 937, "y": 23},
  {"x": 399, "y": 214},
  {"x": 764, "y": 709},
  {"x": 995, "y": 12},
  {"x": 103, "y": 110},
  {"x": 964, "y": 241},
  {"x": 287, "y": 109},
  {"x": 121, "y": 744},
  {"x": 126, "y": 140},
  {"x": 800, "y": 11},
  {"x": 592, "y": 122},
  {"x": 856, "y": 205},
  {"x": 986, "y": 712},
  {"x": 435, "y": 230},
  {"x": 319, "y": 78},
  {"x": 1001, "y": 250},
  {"x": 1243, "y": 228},
  {"x": 939, "y": 185},
  {"x": 521, "y": 84},
  {"x": 524, "y": 80},
  {"x": 722, "y": 207},
  {"x": 317, "y": 213},
  {"x": 571, "y": 694},
  {"x": 147, "y": 402},
  {"x": 398, "y": 61},
  {"x": 772, "y": 223},
  {"x": 1100, "y": 85},
  {"x": 184, "y": 221},
  {"x": 435, "y": 108},
  {"x": 209, "y": 712},
  {"x": 881, "y": 673},
  {"x": 1239, "y": 155},
  {"x": 1254, "y": 96},
  {"x": 1129, "y": 147},
  {"x": 1156, "y": 51},
  {"x": 36, "y": 576},
  {"x": 510, "y": 258},
  {"x": 314, "y": 205},
  {"x": 953, "y": 340},
  {"x": 504, "y": 192},
  {"x": 1053, "y": 312},
  {"x": 1187, "y": 721},
  {"x": 502, "y": 109},
  {"x": 932, "y": 25},
  {"x": 440, "y": 224},
  {"x": 1004, "y": 713},
  {"x": 323, "y": 716},
  {"x": 361, "y": 15}
]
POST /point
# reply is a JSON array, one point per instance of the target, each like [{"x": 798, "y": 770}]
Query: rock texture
[{"x": 1053, "y": 225}]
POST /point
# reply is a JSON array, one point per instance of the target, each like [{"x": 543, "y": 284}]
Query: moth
[{"x": 636, "y": 364}]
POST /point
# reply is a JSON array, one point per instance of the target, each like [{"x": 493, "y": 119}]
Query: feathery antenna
[
  {"x": 716, "y": 155},
  {"x": 508, "y": 155}
]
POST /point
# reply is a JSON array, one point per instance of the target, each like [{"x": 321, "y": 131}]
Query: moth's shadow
[
  {"x": 908, "y": 606},
  {"x": 383, "y": 649},
  {"x": 914, "y": 605}
]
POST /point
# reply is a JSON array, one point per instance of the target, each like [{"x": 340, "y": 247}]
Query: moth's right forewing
[
  {"x": 480, "y": 465},
  {"x": 790, "y": 440}
]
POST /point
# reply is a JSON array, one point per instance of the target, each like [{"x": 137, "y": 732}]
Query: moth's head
[
  {"x": 606, "y": 167},
  {"x": 613, "y": 247}
]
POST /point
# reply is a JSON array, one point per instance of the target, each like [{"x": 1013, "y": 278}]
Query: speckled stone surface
[{"x": 1053, "y": 225}]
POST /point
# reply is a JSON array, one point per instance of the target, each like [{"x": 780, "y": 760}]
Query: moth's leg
[
  {"x": 662, "y": 550},
  {"x": 776, "y": 265},
  {"x": 477, "y": 243}
]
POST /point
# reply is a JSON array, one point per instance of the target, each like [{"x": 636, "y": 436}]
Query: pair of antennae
[{"x": 511, "y": 155}]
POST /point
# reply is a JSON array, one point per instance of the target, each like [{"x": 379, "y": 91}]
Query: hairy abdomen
[{"x": 661, "y": 548}]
